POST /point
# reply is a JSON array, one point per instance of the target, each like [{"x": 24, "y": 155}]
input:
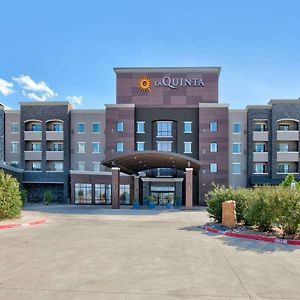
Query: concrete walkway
[{"x": 92, "y": 253}]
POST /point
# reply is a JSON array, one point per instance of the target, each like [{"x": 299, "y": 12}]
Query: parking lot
[{"x": 94, "y": 253}]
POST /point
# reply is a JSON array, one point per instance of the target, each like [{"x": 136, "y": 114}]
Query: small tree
[
  {"x": 48, "y": 197},
  {"x": 289, "y": 179},
  {"x": 10, "y": 197}
]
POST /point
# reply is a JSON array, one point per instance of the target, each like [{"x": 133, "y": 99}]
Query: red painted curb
[
  {"x": 253, "y": 237},
  {"x": 22, "y": 224}
]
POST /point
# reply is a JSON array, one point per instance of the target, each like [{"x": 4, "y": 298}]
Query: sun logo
[{"x": 144, "y": 84}]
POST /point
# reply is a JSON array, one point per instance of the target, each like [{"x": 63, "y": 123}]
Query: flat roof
[
  {"x": 168, "y": 69},
  {"x": 284, "y": 101},
  {"x": 46, "y": 103}
]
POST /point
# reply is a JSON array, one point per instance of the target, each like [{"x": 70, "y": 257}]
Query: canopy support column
[
  {"x": 115, "y": 187},
  {"x": 189, "y": 188},
  {"x": 136, "y": 185}
]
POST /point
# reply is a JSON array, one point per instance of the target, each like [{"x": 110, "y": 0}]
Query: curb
[
  {"x": 22, "y": 224},
  {"x": 253, "y": 237}
]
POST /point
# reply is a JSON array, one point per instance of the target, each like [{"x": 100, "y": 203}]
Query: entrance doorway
[{"x": 161, "y": 198}]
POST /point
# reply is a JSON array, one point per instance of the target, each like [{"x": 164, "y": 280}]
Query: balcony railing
[{"x": 289, "y": 135}]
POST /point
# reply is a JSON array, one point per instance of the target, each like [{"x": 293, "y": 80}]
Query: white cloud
[
  {"x": 75, "y": 100},
  {"x": 6, "y": 87},
  {"x": 38, "y": 91}
]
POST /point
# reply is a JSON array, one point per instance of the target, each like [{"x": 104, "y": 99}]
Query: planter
[
  {"x": 151, "y": 205},
  {"x": 145, "y": 202},
  {"x": 136, "y": 205},
  {"x": 169, "y": 205}
]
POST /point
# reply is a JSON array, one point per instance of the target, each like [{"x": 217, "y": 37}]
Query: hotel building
[{"x": 167, "y": 137}]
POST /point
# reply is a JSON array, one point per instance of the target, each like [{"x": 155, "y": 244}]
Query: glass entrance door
[{"x": 161, "y": 198}]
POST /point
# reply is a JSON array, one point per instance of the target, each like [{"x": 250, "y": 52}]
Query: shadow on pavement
[{"x": 245, "y": 244}]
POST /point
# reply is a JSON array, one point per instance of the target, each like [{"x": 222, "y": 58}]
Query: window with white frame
[
  {"x": 96, "y": 147},
  {"x": 81, "y": 147},
  {"x": 36, "y": 146},
  {"x": 187, "y": 126},
  {"x": 260, "y": 147},
  {"x": 236, "y": 148},
  {"x": 213, "y": 126},
  {"x": 260, "y": 168},
  {"x": 236, "y": 128},
  {"x": 96, "y": 127},
  {"x": 96, "y": 166},
  {"x": 236, "y": 168},
  {"x": 283, "y": 168},
  {"x": 119, "y": 126},
  {"x": 164, "y": 146},
  {"x": 120, "y": 147},
  {"x": 187, "y": 147},
  {"x": 164, "y": 128},
  {"x": 57, "y": 147},
  {"x": 140, "y": 146},
  {"x": 14, "y": 147},
  {"x": 213, "y": 147},
  {"x": 213, "y": 167},
  {"x": 81, "y": 128},
  {"x": 283, "y": 147},
  {"x": 81, "y": 166},
  {"x": 36, "y": 166},
  {"x": 58, "y": 127},
  {"x": 14, "y": 127},
  {"x": 140, "y": 127},
  {"x": 58, "y": 166}
]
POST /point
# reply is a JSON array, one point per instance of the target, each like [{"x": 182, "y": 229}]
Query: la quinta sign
[{"x": 174, "y": 83}]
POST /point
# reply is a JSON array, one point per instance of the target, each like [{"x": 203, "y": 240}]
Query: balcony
[
  {"x": 288, "y": 156},
  {"x": 54, "y": 135},
  {"x": 32, "y": 135},
  {"x": 260, "y": 136},
  {"x": 288, "y": 135},
  {"x": 55, "y": 155},
  {"x": 260, "y": 156},
  {"x": 33, "y": 155}
]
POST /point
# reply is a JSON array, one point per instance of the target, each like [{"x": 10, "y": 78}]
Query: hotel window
[
  {"x": 236, "y": 148},
  {"x": 124, "y": 194},
  {"x": 187, "y": 127},
  {"x": 259, "y": 168},
  {"x": 57, "y": 147},
  {"x": 283, "y": 127},
  {"x": 187, "y": 147},
  {"x": 81, "y": 128},
  {"x": 213, "y": 168},
  {"x": 58, "y": 127},
  {"x": 96, "y": 166},
  {"x": 236, "y": 128},
  {"x": 36, "y": 166},
  {"x": 96, "y": 128},
  {"x": 120, "y": 147},
  {"x": 236, "y": 168},
  {"x": 260, "y": 147},
  {"x": 213, "y": 126},
  {"x": 102, "y": 193},
  {"x": 14, "y": 147},
  {"x": 260, "y": 127},
  {"x": 164, "y": 146},
  {"x": 140, "y": 146},
  {"x": 164, "y": 128},
  {"x": 36, "y": 147},
  {"x": 81, "y": 166},
  {"x": 36, "y": 127},
  {"x": 81, "y": 147},
  {"x": 283, "y": 147},
  {"x": 214, "y": 147},
  {"x": 120, "y": 126},
  {"x": 140, "y": 127},
  {"x": 83, "y": 193},
  {"x": 14, "y": 127},
  {"x": 96, "y": 147},
  {"x": 283, "y": 168},
  {"x": 58, "y": 166}
]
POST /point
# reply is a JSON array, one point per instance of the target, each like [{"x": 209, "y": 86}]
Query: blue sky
[{"x": 61, "y": 49}]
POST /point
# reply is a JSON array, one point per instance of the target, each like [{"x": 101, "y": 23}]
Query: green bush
[
  {"x": 24, "y": 194},
  {"x": 290, "y": 179},
  {"x": 10, "y": 197},
  {"x": 259, "y": 209},
  {"x": 220, "y": 194},
  {"x": 287, "y": 209},
  {"x": 48, "y": 197}
]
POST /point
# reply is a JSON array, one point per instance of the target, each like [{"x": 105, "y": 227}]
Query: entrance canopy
[{"x": 135, "y": 162}]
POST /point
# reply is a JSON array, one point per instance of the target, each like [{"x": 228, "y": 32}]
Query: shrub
[
  {"x": 287, "y": 209},
  {"x": 259, "y": 210},
  {"x": 24, "y": 195},
  {"x": 220, "y": 194},
  {"x": 48, "y": 197},
  {"x": 290, "y": 179},
  {"x": 10, "y": 197}
]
